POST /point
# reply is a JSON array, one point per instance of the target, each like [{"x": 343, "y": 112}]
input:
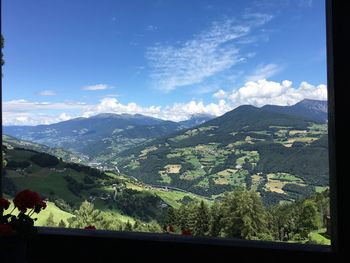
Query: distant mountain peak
[
  {"x": 314, "y": 104},
  {"x": 195, "y": 120},
  {"x": 201, "y": 115},
  {"x": 314, "y": 110}
]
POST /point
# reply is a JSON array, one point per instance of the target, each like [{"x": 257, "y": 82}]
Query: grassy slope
[
  {"x": 318, "y": 237},
  {"x": 58, "y": 214},
  {"x": 51, "y": 183}
]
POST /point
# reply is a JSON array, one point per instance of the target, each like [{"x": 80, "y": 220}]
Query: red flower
[
  {"x": 27, "y": 199},
  {"x": 90, "y": 227},
  {"x": 5, "y": 230},
  {"x": 4, "y": 204},
  {"x": 186, "y": 232},
  {"x": 39, "y": 206},
  {"x": 42, "y": 205}
]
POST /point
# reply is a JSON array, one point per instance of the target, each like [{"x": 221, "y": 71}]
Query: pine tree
[
  {"x": 137, "y": 225},
  {"x": 171, "y": 217},
  {"x": 49, "y": 221},
  {"x": 244, "y": 215},
  {"x": 215, "y": 225},
  {"x": 62, "y": 224},
  {"x": 128, "y": 226},
  {"x": 86, "y": 215},
  {"x": 201, "y": 220},
  {"x": 308, "y": 218}
]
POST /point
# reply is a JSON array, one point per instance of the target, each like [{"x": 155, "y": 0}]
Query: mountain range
[
  {"x": 280, "y": 151},
  {"x": 107, "y": 134},
  {"x": 101, "y": 135}
]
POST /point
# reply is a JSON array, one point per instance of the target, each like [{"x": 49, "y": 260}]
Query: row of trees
[{"x": 241, "y": 214}]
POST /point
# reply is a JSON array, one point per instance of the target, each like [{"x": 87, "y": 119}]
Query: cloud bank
[
  {"x": 97, "y": 87},
  {"x": 257, "y": 93}
]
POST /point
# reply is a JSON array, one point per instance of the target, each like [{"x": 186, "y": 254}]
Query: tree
[
  {"x": 128, "y": 226},
  {"x": 201, "y": 220},
  {"x": 62, "y": 224},
  {"x": 171, "y": 217},
  {"x": 88, "y": 215},
  {"x": 185, "y": 216},
  {"x": 50, "y": 221},
  {"x": 215, "y": 225},
  {"x": 308, "y": 218},
  {"x": 85, "y": 216},
  {"x": 244, "y": 215},
  {"x": 283, "y": 221},
  {"x": 44, "y": 160}
]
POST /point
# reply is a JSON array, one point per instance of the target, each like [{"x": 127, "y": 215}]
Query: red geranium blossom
[
  {"x": 4, "y": 204},
  {"x": 27, "y": 199},
  {"x": 186, "y": 232},
  {"x": 90, "y": 227},
  {"x": 6, "y": 230}
]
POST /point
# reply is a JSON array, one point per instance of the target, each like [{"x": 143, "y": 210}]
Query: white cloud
[
  {"x": 32, "y": 118},
  {"x": 183, "y": 111},
  {"x": 151, "y": 28},
  {"x": 220, "y": 94},
  {"x": 97, "y": 87},
  {"x": 206, "y": 54},
  {"x": 175, "y": 112},
  {"x": 22, "y": 112},
  {"x": 262, "y": 92},
  {"x": 47, "y": 93},
  {"x": 257, "y": 19},
  {"x": 112, "y": 105},
  {"x": 264, "y": 72},
  {"x": 64, "y": 117},
  {"x": 257, "y": 93}
]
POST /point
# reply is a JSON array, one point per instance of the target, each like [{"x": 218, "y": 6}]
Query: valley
[{"x": 141, "y": 173}]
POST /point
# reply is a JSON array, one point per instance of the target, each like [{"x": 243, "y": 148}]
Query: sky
[{"x": 162, "y": 58}]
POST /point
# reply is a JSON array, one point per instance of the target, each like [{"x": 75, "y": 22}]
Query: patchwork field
[{"x": 276, "y": 182}]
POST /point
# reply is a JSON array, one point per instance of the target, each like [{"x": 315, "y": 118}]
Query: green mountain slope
[
  {"x": 11, "y": 142},
  {"x": 283, "y": 157},
  {"x": 69, "y": 184}
]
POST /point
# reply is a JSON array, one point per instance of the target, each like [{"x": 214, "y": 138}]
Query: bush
[
  {"x": 20, "y": 164},
  {"x": 44, "y": 160}
]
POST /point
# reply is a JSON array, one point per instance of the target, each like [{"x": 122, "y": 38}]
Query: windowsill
[{"x": 185, "y": 240}]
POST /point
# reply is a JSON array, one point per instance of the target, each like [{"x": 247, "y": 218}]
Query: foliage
[
  {"x": 44, "y": 160},
  {"x": 17, "y": 164},
  {"x": 143, "y": 205},
  {"x": 86, "y": 169},
  {"x": 87, "y": 215},
  {"x": 241, "y": 214},
  {"x": 49, "y": 221},
  {"x": 201, "y": 220}
]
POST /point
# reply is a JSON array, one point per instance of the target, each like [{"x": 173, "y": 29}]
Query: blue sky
[{"x": 167, "y": 59}]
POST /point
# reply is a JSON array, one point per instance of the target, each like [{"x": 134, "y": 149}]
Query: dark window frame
[{"x": 102, "y": 245}]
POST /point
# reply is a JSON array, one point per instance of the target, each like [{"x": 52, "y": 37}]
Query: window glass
[{"x": 201, "y": 118}]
